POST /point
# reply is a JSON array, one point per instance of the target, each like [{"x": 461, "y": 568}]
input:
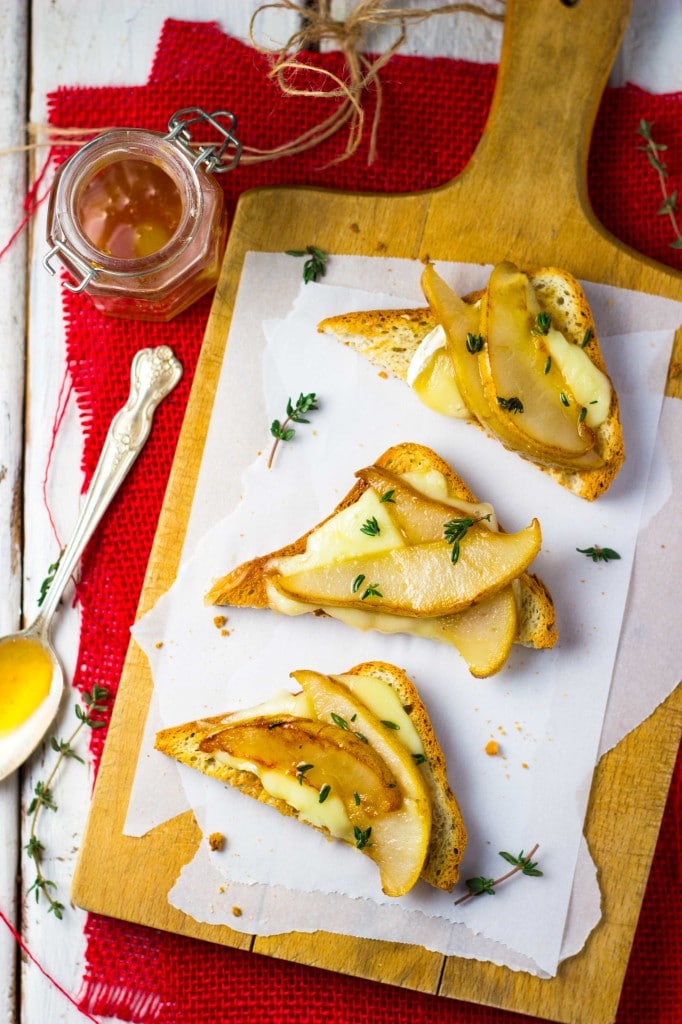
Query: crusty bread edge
[
  {"x": 448, "y": 833},
  {"x": 586, "y": 484},
  {"x": 246, "y": 586}
]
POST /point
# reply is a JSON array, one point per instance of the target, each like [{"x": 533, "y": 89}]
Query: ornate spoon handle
[{"x": 154, "y": 373}]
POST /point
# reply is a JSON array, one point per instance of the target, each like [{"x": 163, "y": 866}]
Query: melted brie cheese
[
  {"x": 331, "y": 814},
  {"x": 590, "y": 387}
]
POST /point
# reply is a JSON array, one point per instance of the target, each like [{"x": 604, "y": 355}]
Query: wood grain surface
[{"x": 522, "y": 197}]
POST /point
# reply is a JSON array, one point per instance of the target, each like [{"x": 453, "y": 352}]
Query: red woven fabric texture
[{"x": 178, "y": 979}]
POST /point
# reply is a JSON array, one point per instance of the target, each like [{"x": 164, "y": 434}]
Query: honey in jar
[
  {"x": 25, "y": 678},
  {"x": 138, "y": 218}
]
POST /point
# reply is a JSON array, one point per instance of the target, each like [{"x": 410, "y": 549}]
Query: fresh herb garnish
[
  {"x": 338, "y": 720},
  {"x": 315, "y": 265},
  {"x": 281, "y": 430},
  {"x": 486, "y": 886},
  {"x": 668, "y": 207},
  {"x": 583, "y": 414},
  {"x": 512, "y": 404},
  {"x": 371, "y": 527},
  {"x": 324, "y": 793},
  {"x": 357, "y": 582},
  {"x": 362, "y": 836},
  {"x": 356, "y": 797},
  {"x": 372, "y": 591},
  {"x": 587, "y": 338},
  {"x": 359, "y": 736},
  {"x": 388, "y": 496},
  {"x": 95, "y": 704},
  {"x": 47, "y": 582},
  {"x": 390, "y": 725},
  {"x": 474, "y": 343},
  {"x": 301, "y": 769},
  {"x": 419, "y": 758},
  {"x": 456, "y": 529},
  {"x": 548, "y": 364},
  {"x": 543, "y": 322},
  {"x": 599, "y": 554},
  {"x": 564, "y": 399}
]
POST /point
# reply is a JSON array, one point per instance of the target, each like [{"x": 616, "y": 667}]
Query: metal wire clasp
[{"x": 217, "y": 157}]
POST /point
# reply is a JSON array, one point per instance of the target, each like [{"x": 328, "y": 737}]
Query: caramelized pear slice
[
  {"x": 419, "y": 517},
  {"x": 484, "y": 633},
  {"x": 420, "y": 580},
  {"x": 398, "y": 840},
  {"x": 460, "y": 320},
  {"x": 531, "y": 395},
  {"x": 314, "y": 754}
]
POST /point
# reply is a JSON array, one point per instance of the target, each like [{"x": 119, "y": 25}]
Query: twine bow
[{"x": 321, "y": 27}]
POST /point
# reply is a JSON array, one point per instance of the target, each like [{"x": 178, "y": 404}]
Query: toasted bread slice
[
  {"x": 447, "y": 837},
  {"x": 250, "y": 584},
  {"x": 390, "y": 339}
]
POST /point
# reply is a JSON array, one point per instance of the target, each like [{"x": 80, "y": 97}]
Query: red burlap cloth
[{"x": 433, "y": 114}]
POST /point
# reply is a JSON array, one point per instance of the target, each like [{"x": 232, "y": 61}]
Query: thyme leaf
[
  {"x": 599, "y": 554},
  {"x": 522, "y": 864},
  {"x": 456, "y": 529},
  {"x": 512, "y": 404},
  {"x": 474, "y": 343},
  {"x": 372, "y": 591},
  {"x": 543, "y": 322},
  {"x": 281, "y": 429},
  {"x": 315, "y": 264},
  {"x": 96, "y": 702},
  {"x": 371, "y": 527},
  {"x": 653, "y": 150},
  {"x": 47, "y": 582}
]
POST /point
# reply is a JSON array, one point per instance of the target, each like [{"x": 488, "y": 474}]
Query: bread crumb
[
  {"x": 236, "y": 911},
  {"x": 216, "y": 840},
  {"x": 523, "y": 764},
  {"x": 158, "y": 644},
  {"x": 492, "y": 748},
  {"x": 221, "y": 888},
  {"x": 219, "y": 621},
  {"x": 383, "y": 375}
]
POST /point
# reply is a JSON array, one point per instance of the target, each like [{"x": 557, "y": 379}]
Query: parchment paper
[{"x": 546, "y": 708}]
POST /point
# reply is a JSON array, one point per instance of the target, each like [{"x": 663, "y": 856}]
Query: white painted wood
[
  {"x": 13, "y": 67},
  {"x": 99, "y": 44},
  {"x": 75, "y": 44}
]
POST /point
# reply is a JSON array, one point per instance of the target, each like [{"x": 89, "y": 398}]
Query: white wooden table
[{"x": 45, "y": 44}]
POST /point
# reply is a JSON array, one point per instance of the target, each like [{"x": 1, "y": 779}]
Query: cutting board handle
[
  {"x": 530, "y": 166},
  {"x": 554, "y": 66}
]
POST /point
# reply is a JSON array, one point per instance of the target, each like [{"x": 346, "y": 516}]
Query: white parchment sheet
[{"x": 546, "y": 708}]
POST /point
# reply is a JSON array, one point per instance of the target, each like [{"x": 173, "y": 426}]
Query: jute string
[{"x": 319, "y": 31}]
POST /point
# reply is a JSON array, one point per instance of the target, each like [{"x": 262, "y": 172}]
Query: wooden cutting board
[{"x": 522, "y": 197}]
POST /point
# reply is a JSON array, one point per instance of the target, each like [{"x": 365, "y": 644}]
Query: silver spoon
[{"x": 154, "y": 373}]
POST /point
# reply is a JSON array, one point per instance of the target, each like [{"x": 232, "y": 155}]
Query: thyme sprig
[
  {"x": 456, "y": 529},
  {"x": 316, "y": 263},
  {"x": 95, "y": 702},
  {"x": 653, "y": 151},
  {"x": 599, "y": 554},
  {"x": 47, "y": 582},
  {"x": 281, "y": 429},
  {"x": 482, "y": 886}
]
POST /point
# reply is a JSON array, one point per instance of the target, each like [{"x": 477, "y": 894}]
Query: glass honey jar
[{"x": 138, "y": 218}]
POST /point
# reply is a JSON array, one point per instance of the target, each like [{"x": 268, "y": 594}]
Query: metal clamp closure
[
  {"x": 72, "y": 260},
  {"x": 218, "y": 157}
]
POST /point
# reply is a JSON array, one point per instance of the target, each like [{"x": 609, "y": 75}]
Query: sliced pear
[
  {"x": 314, "y": 754},
  {"x": 462, "y": 320},
  {"x": 531, "y": 395},
  {"x": 419, "y": 517},
  {"x": 459, "y": 320},
  {"x": 398, "y": 840},
  {"x": 420, "y": 580},
  {"x": 484, "y": 633}
]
